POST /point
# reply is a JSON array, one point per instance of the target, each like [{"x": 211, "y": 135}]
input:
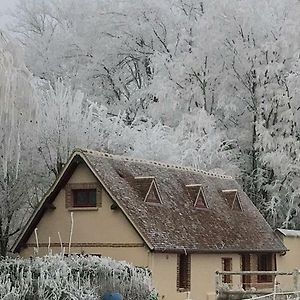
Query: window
[
  {"x": 200, "y": 200},
  {"x": 148, "y": 189},
  {"x": 265, "y": 262},
  {"x": 232, "y": 199},
  {"x": 227, "y": 266},
  {"x": 197, "y": 195},
  {"x": 81, "y": 254},
  {"x": 83, "y": 195},
  {"x": 183, "y": 272},
  {"x": 153, "y": 195},
  {"x": 84, "y": 198}
]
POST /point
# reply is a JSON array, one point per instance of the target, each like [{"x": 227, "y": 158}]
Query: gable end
[{"x": 62, "y": 180}]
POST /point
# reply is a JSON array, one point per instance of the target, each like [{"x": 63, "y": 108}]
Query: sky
[{"x": 5, "y": 5}]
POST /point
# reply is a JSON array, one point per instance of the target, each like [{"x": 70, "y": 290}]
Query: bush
[{"x": 73, "y": 277}]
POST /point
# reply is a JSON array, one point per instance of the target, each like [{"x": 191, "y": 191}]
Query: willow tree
[{"x": 16, "y": 114}]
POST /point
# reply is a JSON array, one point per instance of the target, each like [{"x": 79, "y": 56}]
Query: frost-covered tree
[
  {"x": 278, "y": 149},
  {"x": 66, "y": 120},
  {"x": 17, "y": 109},
  {"x": 94, "y": 58},
  {"x": 264, "y": 65},
  {"x": 214, "y": 84}
]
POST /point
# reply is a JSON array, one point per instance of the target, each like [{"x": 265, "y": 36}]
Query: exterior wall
[
  {"x": 204, "y": 267},
  {"x": 203, "y": 270},
  {"x": 164, "y": 272},
  {"x": 289, "y": 261},
  {"x": 96, "y": 230}
]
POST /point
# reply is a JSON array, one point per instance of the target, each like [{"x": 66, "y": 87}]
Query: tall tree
[
  {"x": 16, "y": 113},
  {"x": 218, "y": 79}
]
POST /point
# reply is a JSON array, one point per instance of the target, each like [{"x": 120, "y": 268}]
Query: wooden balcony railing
[{"x": 249, "y": 283}]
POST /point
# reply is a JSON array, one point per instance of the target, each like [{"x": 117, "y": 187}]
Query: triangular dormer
[
  {"x": 232, "y": 199},
  {"x": 149, "y": 185},
  {"x": 197, "y": 195}
]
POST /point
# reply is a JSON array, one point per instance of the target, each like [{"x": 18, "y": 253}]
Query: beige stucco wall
[
  {"x": 289, "y": 261},
  {"x": 203, "y": 268},
  {"x": 103, "y": 225},
  {"x": 164, "y": 271},
  {"x": 203, "y": 274}
]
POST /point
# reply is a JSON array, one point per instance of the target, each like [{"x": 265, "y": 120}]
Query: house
[
  {"x": 184, "y": 224},
  {"x": 290, "y": 260}
]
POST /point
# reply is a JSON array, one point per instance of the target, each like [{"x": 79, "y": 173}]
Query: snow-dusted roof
[
  {"x": 289, "y": 232},
  {"x": 175, "y": 224}
]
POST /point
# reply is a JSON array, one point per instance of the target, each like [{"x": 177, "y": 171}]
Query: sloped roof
[
  {"x": 175, "y": 225},
  {"x": 289, "y": 232}
]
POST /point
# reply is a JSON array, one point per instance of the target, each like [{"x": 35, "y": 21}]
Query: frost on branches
[
  {"x": 16, "y": 114},
  {"x": 65, "y": 120},
  {"x": 73, "y": 277},
  {"x": 213, "y": 84}
]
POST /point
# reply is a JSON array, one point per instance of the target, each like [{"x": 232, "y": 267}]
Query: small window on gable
[
  {"x": 149, "y": 189},
  {"x": 232, "y": 199},
  {"x": 84, "y": 198},
  {"x": 81, "y": 195},
  {"x": 197, "y": 195}
]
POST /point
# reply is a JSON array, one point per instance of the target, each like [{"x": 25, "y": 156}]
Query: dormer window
[
  {"x": 196, "y": 193},
  {"x": 149, "y": 189},
  {"x": 232, "y": 199}
]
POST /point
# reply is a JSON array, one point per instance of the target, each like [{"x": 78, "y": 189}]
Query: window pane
[
  {"x": 265, "y": 263},
  {"x": 200, "y": 202},
  {"x": 84, "y": 198},
  {"x": 184, "y": 272},
  {"x": 152, "y": 196},
  {"x": 227, "y": 266}
]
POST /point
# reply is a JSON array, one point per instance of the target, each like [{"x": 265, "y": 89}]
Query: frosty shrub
[{"x": 73, "y": 277}]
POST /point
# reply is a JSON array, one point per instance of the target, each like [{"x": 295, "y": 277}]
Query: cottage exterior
[{"x": 184, "y": 224}]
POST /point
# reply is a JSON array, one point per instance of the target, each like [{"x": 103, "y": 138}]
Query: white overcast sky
[{"x": 5, "y": 5}]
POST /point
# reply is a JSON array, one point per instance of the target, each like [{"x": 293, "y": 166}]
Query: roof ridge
[{"x": 151, "y": 162}]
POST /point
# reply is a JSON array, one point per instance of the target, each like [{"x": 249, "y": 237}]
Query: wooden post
[
  {"x": 275, "y": 288},
  {"x": 217, "y": 283},
  {"x": 296, "y": 279}
]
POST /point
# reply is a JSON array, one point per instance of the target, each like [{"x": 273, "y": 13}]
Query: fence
[
  {"x": 280, "y": 285},
  {"x": 277, "y": 296}
]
